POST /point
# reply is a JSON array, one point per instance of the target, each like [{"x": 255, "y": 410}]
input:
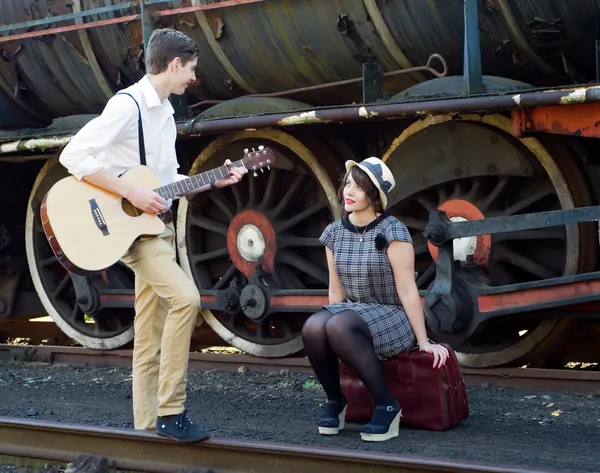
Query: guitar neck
[{"x": 190, "y": 184}]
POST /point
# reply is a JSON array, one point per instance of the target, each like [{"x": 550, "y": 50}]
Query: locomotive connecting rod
[
  {"x": 457, "y": 303},
  {"x": 440, "y": 229}
]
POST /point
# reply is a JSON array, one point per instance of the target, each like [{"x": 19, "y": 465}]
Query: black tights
[{"x": 346, "y": 336}]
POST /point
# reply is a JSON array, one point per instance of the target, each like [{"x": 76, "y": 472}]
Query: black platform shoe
[
  {"x": 333, "y": 419},
  {"x": 384, "y": 424}
]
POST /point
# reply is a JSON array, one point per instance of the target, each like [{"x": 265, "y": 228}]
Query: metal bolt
[{"x": 458, "y": 172}]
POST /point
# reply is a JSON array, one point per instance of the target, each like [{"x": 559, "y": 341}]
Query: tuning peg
[
  {"x": 268, "y": 167},
  {"x": 254, "y": 169},
  {"x": 245, "y": 150},
  {"x": 253, "y": 150},
  {"x": 261, "y": 147}
]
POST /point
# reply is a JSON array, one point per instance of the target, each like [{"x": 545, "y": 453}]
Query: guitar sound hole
[{"x": 130, "y": 209}]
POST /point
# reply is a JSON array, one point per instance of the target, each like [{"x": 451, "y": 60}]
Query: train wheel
[
  {"x": 472, "y": 167},
  {"x": 294, "y": 201},
  {"x": 55, "y": 288}
]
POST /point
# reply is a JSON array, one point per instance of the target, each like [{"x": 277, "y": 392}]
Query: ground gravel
[{"x": 543, "y": 429}]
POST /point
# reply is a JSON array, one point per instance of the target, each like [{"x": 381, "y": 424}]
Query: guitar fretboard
[{"x": 179, "y": 188}]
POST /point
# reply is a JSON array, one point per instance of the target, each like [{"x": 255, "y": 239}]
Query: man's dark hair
[
  {"x": 166, "y": 44},
  {"x": 364, "y": 182}
]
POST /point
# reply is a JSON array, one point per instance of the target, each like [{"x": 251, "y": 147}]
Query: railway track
[
  {"x": 143, "y": 451},
  {"x": 574, "y": 380}
]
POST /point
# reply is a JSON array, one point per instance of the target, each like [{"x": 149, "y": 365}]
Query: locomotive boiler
[{"x": 297, "y": 76}]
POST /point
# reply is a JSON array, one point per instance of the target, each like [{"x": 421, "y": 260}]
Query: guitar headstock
[{"x": 255, "y": 160}]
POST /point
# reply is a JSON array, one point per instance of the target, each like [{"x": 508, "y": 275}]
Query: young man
[{"x": 166, "y": 299}]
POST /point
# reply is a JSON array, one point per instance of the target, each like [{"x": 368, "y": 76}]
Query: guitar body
[{"x": 90, "y": 229}]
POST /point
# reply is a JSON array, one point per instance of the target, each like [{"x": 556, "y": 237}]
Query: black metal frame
[{"x": 452, "y": 302}]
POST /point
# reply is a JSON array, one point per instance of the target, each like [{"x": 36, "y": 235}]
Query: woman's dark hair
[{"x": 364, "y": 182}]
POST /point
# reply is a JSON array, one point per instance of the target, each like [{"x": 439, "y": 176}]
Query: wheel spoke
[
  {"x": 285, "y": 200},
  {"x": 77, "y": 313},
  {"x": 300, "y": 217},
  {"x": 523, "y": 262},
  {"x": 421, "y": 249},
  {"x": 251, "y": 190},
  {"x": 485, "y": 203},
  {"x": 222, "y": 203},
  {"x": 442, "y": 194},
  {"x": 210, "y": 225},
  {"x": 527, "y": 201},
  {"x": 203, "y": 257},
  {"x": 457, "y": 190},
  {"x": 62, "y": 286},
  {"x": 415, "y": 223},
  {"x": 238, "y": 198},
  {"x": 269, "y": 190},
  {"x": 297, "y": 241},
  {"x": 429, "y": 272},
  {"x": 48, "y": 261},
  {"x": 426, "y": 203},
  {"x": 304, "y": 265},
  {"x": 500, "y": 275},
  {"x": 472, "y": 194},
  {"x": 225, "y": 278}
]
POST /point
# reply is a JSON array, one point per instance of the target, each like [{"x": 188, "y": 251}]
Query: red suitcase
[{"x": 431, "y": 399}]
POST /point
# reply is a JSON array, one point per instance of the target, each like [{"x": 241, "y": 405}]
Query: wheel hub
[
  {"x": 474, "y": 249},
  {"x": 251, "y": 241}
]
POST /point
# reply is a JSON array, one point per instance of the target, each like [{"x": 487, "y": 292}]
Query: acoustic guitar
[{"x": 89, "y": 229}]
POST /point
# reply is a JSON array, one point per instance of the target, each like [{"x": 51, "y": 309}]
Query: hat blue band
[{"x": 378, "y": 173}]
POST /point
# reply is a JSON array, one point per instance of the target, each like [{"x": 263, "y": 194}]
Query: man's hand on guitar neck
[{"x": 235, "y": 175}]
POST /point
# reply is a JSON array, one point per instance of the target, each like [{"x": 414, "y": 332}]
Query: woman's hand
[{"x": 439, "y": 352}]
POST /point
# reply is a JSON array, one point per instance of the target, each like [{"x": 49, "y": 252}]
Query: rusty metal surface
[
  {"x": 575, "y": 120},
  {"x": 269, "y": 46},
  {"x": 573, "y": 380},
  {"x": 140, "y": 450}
]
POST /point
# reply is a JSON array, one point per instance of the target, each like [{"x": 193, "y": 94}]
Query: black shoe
[
  {"x": 384, "y": 424},
  {"x": 179, "y": 428},
  {"x": 333, "y": 419}
]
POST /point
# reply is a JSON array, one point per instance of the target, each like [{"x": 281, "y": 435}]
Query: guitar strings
[{"x": 124, "y": 201}]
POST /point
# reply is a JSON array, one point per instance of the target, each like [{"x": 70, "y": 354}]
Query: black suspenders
[{"x": 140, "y": 130}]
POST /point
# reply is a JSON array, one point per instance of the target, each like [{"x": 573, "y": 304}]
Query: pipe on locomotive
[{"x": 346, "y": 114}]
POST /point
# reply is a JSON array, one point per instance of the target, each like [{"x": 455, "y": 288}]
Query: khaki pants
[{"x": 166, "y": 306}]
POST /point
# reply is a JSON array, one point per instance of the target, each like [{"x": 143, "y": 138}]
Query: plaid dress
[{"x": 366, "y": 276}]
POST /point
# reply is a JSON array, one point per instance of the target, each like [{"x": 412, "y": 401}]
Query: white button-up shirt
[{"x": 110, "y": 141}]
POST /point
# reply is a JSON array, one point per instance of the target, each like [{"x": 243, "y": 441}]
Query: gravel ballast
[{"x": 553, "y": 430}]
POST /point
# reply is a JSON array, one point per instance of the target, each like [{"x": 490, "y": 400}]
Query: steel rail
[
  {"x": 573, "y": 380},
  {"x": 145, "y": 451}
]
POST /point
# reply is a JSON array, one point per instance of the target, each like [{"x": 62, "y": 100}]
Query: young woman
[{"x": 374, "y": 309}]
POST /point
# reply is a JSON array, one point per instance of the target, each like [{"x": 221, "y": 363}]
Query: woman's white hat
[{"x": 379, "y": 173}]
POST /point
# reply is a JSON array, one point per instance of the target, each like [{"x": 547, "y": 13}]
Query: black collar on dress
[{"x": 365, "y": 228}]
